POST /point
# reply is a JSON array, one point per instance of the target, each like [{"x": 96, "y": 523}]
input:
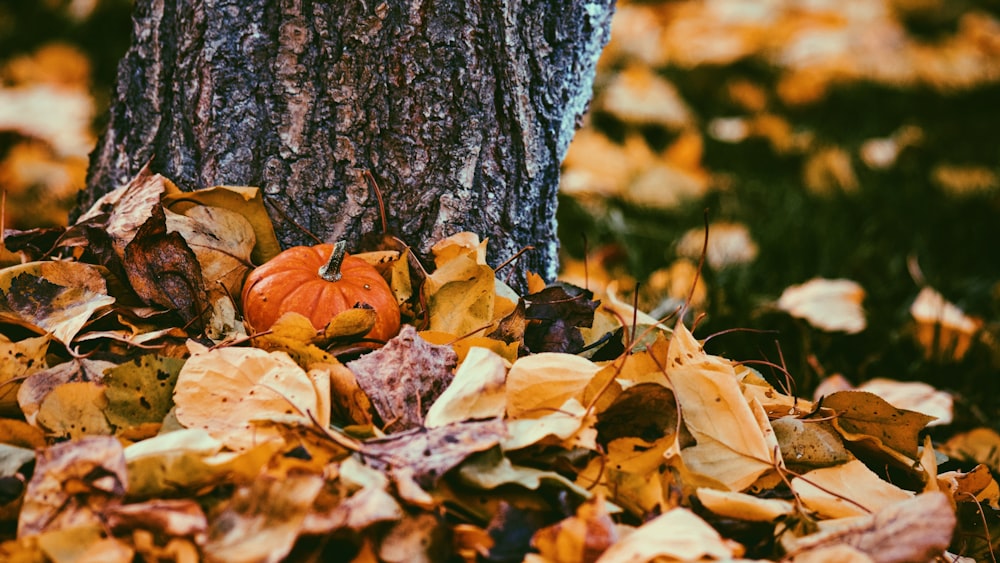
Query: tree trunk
[{"x": 463, "y": 109}]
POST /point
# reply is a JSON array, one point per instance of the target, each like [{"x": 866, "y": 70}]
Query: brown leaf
[
  {"x": 72, "y": 484},
  {"x": 431, "y": 453},
  {"x": 163, "y": 270},
  {"x": 646, "y": 410},
  {"x": 405, "y": 377},
  {"x": 867, "y": 420},
  {"x": 917, "y": 529},
  {"x": 555, "y": 315}
]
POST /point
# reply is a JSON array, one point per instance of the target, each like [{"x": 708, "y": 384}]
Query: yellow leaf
[
  {"x": 246, "y": 201},
  {"x": 461, "y": 296},
  {"x": 845, "y": 490},
  {"x": 734, "y": 439},
  {"x": 943, "y": 330},
  {"x": 741, "y": 506},
  {"x": 539, "y": 383},
  {"x": 676, "y": 535},
  {"x": 477, "y": 391},
  {"x": 20, "y": 359},
  {"x": 73, "y": 410}
]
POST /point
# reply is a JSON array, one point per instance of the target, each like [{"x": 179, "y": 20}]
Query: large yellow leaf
[
  {"x": 845, "y": 490},
  {"x": 539, "y": 383},
  {"x": 225, "y": 389},
  {"x": 734, "y": 440}
]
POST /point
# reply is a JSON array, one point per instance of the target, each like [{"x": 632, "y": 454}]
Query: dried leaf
[
  {"x": 246, "y": 201},
  {"x": 461, "y": 295},
  {"x": 538, "y": 383},
  {"x": 73, "y": 410},
  {"x": 140, "y": 391},
  {"x": 733, "y": 443},
  {"x": 34, "y": 389},
  {"x": 809, "y": 443},
  {"x": 914, "y": 396},
  {"x": 742, "y": 506},
  {"x": 678, "y": 534},
  {"x": 729, "y": 244},
  {"x": 404, "y": 377},
  {"x": 224, "y": 390},
  {"x": 163, "y": 270},
  {"x": 850, "y": 489},
  {"x": 418, "y": 539},
  {"x": 167, "y": 517},
  {"x": 554, "y": 317},
  {"x": 868, "y": 421},
  {"x": 915, "y": 529},
  {"x": 19, "y": 360},
  {"x": 450, "y": 445},
  {"x": 646, "y": 410},
  {"x": 57, "y": 297},
  {"x": 831, "y": 305},
  {"x": 222, "y": 241},
  {"x": 262, "y": 521},
  {"x": 72, "y": 483},
  {"x": 477, "y": 390}
]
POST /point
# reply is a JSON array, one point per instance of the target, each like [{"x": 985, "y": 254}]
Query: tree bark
[{"x": 463, "y": 109}]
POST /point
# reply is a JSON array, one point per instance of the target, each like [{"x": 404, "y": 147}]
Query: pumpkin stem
[{"x": 331, "y": 270}]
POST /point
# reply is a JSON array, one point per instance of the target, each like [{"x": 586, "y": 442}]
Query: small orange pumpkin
[{"x": 318, "y": 282}]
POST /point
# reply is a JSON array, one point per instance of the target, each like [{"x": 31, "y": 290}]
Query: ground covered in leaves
[{"x": 845, "y": 154}]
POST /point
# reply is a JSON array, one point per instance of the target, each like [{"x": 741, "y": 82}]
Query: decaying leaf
[
  {"x": 915, "y": 529},
  {"x": 404, "y": 377},
  {"x": 831, "y": 305},
  {"x": 809, "y": 443},
  {"x": 164, "y": 271},
  {"x": 37, "y": 387},
  {"x": 554, "y": 317},
  {"x": 73, "y": 410},
  {"x": 140, "y": 391},
  {"x": 914, "y": 396},
  {"x": 57, "y": 297},
  {"x": 450, "y": 445},
  {"x": 461, "y": 292},
  {"x": 19, "y": 360}
]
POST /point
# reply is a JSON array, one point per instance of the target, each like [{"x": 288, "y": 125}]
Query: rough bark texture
[{"x": 463, "y": 109}]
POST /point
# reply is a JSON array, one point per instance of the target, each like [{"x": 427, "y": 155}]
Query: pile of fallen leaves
[{"x": 142, "y": 421}]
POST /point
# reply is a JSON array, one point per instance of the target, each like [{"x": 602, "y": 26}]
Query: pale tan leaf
[
  {"x": 734, "y": 442},
  {"x": 223, "y": 390},
  {"x": 914, "y": 396},
  {"x": 477, "y": 390},
  {"x": 846, "y": 490},
  {"x": 741, "y": 506},
  {"x": 678, "y": 535},
  {"x": 729, "y": 244},
  {"x": 943, "y": 330},
  {"x": 827, "y": 304}
]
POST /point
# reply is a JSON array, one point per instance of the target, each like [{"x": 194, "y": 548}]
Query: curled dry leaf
[
  {"x": 729, "y": 244},
  {"x": 943, "y": 330},
  {"x": 827, "y": 304},
  {"x": 867, "y": 421},
  {"x": 914, "y": 396},
  {"x": 224, "y": 390},
  {"x": 734, "y": 439},
  {"x": 741, "y": 506}
]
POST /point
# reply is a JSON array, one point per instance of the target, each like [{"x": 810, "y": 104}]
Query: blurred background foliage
[{"x": 853, "y": 139}]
